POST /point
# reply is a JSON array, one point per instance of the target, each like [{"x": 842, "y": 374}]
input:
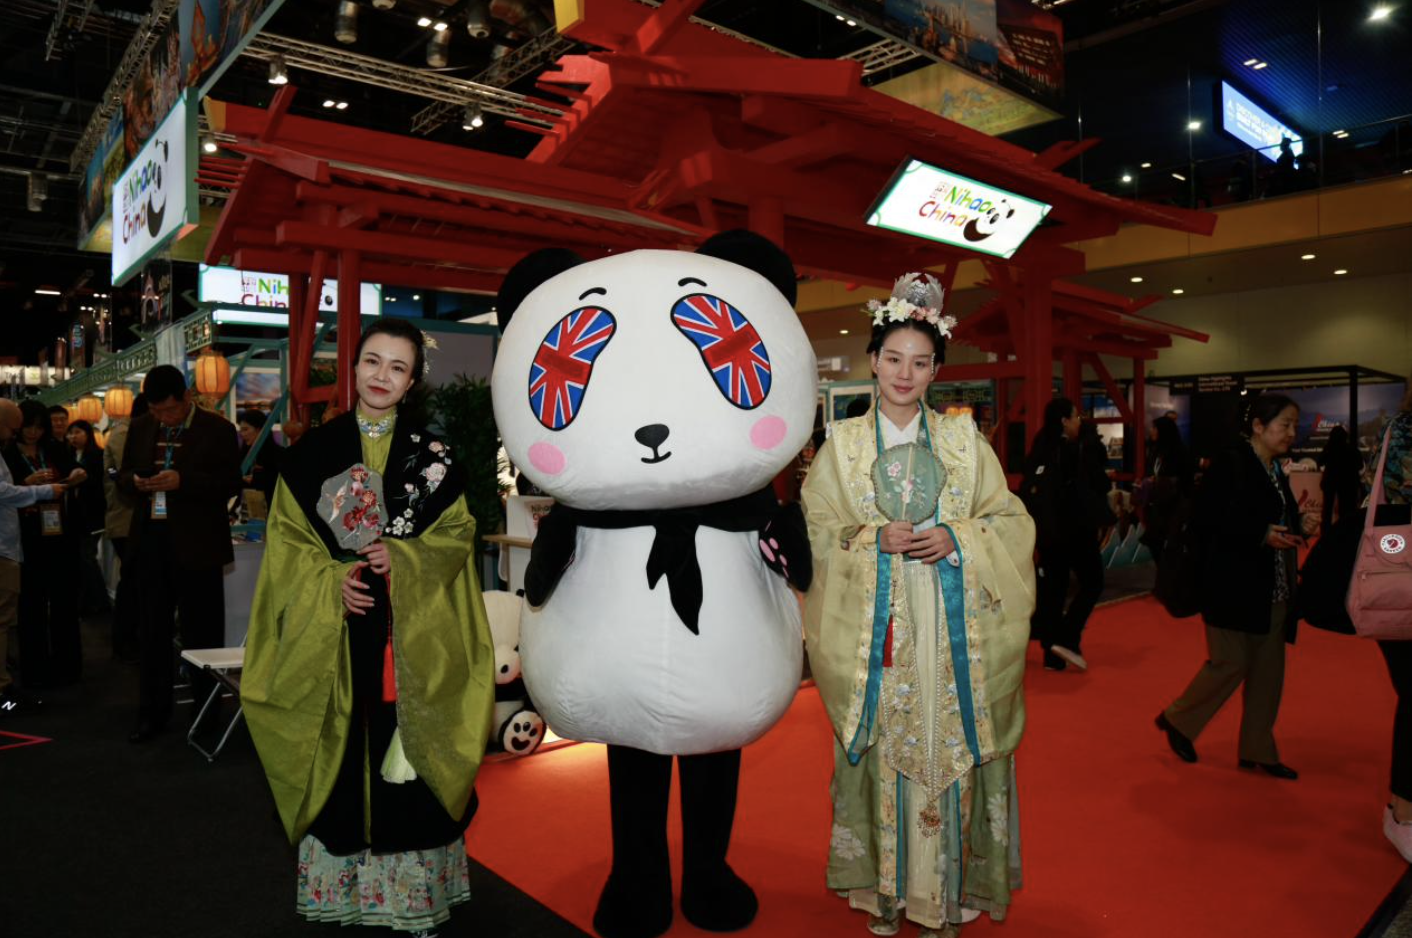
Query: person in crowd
[
  {"x": 264, "y": 472},
  {"x": 182, "y": 466},
  {"x": 59, "y": 424},
  {"x": 1397, "y": 509},
  {"x": 1170, "y": 483},
  {"x": 368, "y": 681},
  {"x": 87, "y": 506},
  {"x": 925, "y": 805},
  {"x": 51, "y": 654},
  {"x": 1251, "y": 525},
  {"x": 117, "y": 522},
  {"x": 1066, "y": 493},
  {"x": 1341, "y": 482},
  {"x": 13, "y": 499}
]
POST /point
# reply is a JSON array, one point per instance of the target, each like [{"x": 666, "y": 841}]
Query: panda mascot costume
[{"x": 656, "y": 394}]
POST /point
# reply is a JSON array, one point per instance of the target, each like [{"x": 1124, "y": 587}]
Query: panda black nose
[{"x": 653, "y": 435}]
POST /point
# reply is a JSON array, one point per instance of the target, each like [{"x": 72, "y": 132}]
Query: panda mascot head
[{"x": 653, "y": 379}]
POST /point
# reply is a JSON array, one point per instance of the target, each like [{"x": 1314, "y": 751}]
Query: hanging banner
[
  {"x": 930, "y": 202},
  {"x": 252, "y": 288},
  {"x": 156, "y": 297},
  {"x": 155, "y": 199},
  {"x": 103, "y": 171}
]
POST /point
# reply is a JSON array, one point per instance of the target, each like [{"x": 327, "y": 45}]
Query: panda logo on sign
[
  {"x": 655, "y": 395},
  {"x": 989, "y": 223}
]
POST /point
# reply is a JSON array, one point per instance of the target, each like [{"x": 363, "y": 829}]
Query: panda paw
[{"x": 784, "y": 546}]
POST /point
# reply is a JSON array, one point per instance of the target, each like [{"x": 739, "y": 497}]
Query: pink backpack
[{"x": 1380, "y": 592}]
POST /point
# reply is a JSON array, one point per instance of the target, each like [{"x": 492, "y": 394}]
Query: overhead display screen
[
  {"x": 1254, "y": 126},
  {"x": 934, "y": 203}
]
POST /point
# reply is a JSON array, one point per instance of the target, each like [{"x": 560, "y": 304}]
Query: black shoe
[
  {"x": 18, "y": 701},
  {"x": 1053, "y": 662},
  {"x": 1179, "y": 743},
  {"x": 719, "y": 902},
  {"x": 145, "y": 731},
  {"x": 1277, "y": 769},
  {"x": 634, "y": 910}
]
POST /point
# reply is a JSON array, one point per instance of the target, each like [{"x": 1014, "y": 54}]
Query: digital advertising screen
[{"x": 1254, "y": 126}]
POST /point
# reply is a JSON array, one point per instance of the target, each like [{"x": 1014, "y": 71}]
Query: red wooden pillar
[
  {"x": 298, "y": 290},
  {"x": 1074, "y": 378},
  {"x": 1038, "y": 358},
  {"x": 350, "y": 327},
  {"x": 1002, "y": 421},
  {"x": 1140, "y": 417}
]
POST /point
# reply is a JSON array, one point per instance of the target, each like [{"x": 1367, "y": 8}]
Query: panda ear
[
  {"x": 757, "y": 253},
  {"x": 531, "y": 271}
]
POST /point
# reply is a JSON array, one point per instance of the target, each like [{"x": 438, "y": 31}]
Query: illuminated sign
[
  {"x": 930, "y": 202},
  {"x": 253, "y": 288},
  {"x": 154, "y": 199},
  {"x": 1253, "y": 126}
]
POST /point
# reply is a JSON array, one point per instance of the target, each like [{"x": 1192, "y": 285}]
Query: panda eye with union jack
[
  {"x": 730, "y": 347},
  {"x": 563, "y": 364}
]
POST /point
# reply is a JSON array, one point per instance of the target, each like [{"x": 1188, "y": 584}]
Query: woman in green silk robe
[
  {"x": 368, "y": 679},
  {"x": 916, "y": 640}
]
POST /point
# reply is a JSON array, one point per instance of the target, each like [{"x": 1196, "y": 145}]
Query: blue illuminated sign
[{"x": 1252, "y": 125}]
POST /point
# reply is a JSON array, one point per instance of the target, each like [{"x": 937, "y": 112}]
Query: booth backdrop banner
[{"x": 155, "y": 198}]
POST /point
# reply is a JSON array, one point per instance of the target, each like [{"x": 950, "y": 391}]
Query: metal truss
[
  {"x": 148, "y": 32},
  {"x": 529, "y": 58},
  {"x": 422, "y": 83},
  {"x": 883, "y": 55}
]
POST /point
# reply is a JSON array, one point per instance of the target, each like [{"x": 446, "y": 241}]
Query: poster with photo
[{"x": 156, "y": 296}]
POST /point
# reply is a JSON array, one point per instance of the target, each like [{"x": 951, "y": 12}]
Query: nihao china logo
[{"x": 145, "y": 195}]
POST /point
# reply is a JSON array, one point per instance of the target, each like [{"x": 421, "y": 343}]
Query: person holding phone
[
  {"x": 1253, "y": 528},
  {"x": 50, "y": 650}
]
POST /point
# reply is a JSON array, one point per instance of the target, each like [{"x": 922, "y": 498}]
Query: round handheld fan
[{"x": 908, "y": 480}]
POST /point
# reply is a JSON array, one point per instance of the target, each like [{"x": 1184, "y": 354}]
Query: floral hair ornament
[
  {"x": 914, "y": 296},
  {"x": 428, "y": 345}
]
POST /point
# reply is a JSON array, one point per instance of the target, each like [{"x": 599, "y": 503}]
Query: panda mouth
[{"x": 656, "y": 457}]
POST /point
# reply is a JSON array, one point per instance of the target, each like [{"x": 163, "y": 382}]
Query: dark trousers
[
  {"x": 1081, "y": 556},
  {"x": 126, "y": 614},
  {"x": 1398, "y": 656},
  {"x": 167, "y": 592},
  {"x": 93, "y": 596},
  {"x": 50, "y": 649}
]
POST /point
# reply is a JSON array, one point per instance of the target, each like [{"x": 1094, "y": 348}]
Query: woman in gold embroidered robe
[
  {"x": 368, "y": 681},
  {"x": 921, "y": 669}
]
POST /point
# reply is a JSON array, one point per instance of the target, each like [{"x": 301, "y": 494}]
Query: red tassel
[{"x": 389, "y": 668}]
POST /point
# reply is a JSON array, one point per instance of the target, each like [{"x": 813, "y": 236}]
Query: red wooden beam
[
  {"x": 981, "y": 371},
  {"x": 389, "y": 274},
  {"x": 1115, "y": 393},
  {"x": 380, "y": 244},
  {"x": 662, "y": 25}
]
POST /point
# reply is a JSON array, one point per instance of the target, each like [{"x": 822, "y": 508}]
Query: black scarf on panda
[{"x": 673, "y": 553}]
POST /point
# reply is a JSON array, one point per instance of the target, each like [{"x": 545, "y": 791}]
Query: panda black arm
[
  {"x": 784, "y": 544},
  {"x": 551, "y": 554}
]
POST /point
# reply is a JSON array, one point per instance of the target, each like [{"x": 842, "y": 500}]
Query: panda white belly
[{"x": 607, "y": 659}]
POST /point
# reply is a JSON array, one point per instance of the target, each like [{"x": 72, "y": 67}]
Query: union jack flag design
[
  {"x": 731, "y": 348},
  {"x": 564, "y": 363}
]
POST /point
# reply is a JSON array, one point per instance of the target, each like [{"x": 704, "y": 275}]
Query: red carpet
[{"x": 1119, "y": 837}]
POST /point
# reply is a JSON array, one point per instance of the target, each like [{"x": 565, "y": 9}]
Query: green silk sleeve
[
  {"x": 444, "y": 655},
  {"x": 296, "y": 686}
]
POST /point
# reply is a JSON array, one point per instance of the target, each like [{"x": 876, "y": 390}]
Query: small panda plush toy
[
  {"x": 655, "y": 395},
  {"x": 519, "y": 729}
]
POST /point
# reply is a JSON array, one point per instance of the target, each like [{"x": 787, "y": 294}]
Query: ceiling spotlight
[
  {"x": 1127, "y": 177},
  {"x": 329, "y": 102},
  {"x": 1259, "y": 65},
  {"x": 416, "y": 296},
  {"x": 478, "y": 19},
  {"x": 279, "y": 71},
  {"x": 1193, "y": 125},
  {"x": 1145, "y": 166},
  {"x": 208, "y": 144},
  {"x": 342, "y": 105},
  {"x": 1178, "y": 177},
  {"x": 1307, "y": 257},
  {"x": 1249, "y": 62},
  {"x": 840, "y": 17},
  {"x": 1135, "y": 279},
  {"x": 437, "y": 48},
  {"x": 384, "y": 4},
  {"x": 1340, "y": 272},
  {"x": 852, "y": 22},
  {"x": 472, "y": 118},
  {"x": 36, "y": 191},
  {"x": 345, "y": 24},
  {"x": 424, "y": 21},
  {"x": 1380, "y": 12},
  {"x": 843, "y": 332},
  {"x": 1178, "y": 291},
  {"x": 440, "y": 26}
]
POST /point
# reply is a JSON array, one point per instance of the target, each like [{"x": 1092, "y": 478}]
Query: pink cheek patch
[
  {"x": 768, "y": 432},
  {"x": 547, "y": 458}
]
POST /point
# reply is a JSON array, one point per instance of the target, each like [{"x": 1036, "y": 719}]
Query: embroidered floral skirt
[
  {"x": 933, "y": 855},
  {"x": 403, "y": 891}
]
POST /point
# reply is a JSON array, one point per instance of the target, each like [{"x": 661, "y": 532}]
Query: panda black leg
[
  {"x": 712, "y": 896},
  {"x": 637, "y": 899}
]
